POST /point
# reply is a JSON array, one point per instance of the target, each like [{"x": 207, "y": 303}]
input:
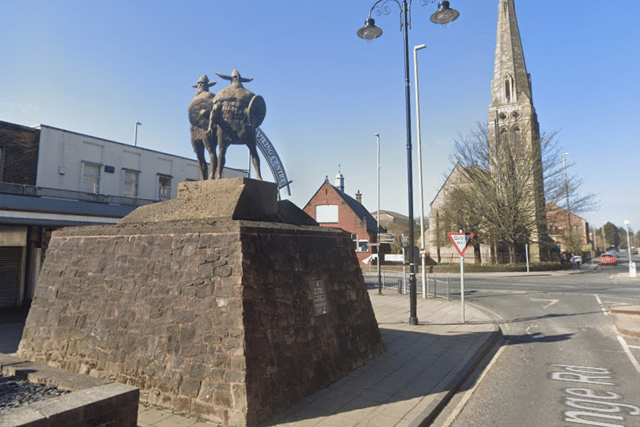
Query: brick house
[
  {"x": 558, "y": 223},
  {"x": 18, "y": 153},
  {"x": 330, "y": 206}
]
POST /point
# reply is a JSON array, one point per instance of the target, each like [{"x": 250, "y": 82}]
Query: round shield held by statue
[
  {"x": 257, "y": 110},
  {"x": 200, "y": 109}
]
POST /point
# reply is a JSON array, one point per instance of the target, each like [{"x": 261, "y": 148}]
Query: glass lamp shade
[
  {"x": 369, "y": 31},
  {"x": 444, "y": 15}
]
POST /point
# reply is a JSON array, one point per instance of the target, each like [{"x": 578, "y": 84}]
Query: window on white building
[
  {"x": 164, "y": 187},
  {"x": 91, "y": 174},
  {"x": 130, "y": 183}
]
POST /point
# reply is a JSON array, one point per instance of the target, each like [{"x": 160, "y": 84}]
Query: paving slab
[
  {"x": 407, "y": 386},
  {"x": 412, "y": 381}
]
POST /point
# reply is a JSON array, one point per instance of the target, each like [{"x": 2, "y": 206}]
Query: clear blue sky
[{"x": 97, "y": 67}]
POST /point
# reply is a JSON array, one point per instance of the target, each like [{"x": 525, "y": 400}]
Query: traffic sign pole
[
  {"x": 460, "y": 241},
  {"x": 462, "y": 285}
]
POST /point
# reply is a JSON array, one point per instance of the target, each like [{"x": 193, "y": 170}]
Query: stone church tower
[{"x": 511, "y": 112}]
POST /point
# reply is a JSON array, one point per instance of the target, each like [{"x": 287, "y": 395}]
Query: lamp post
[
  {"x": 444, "y": 15},
  {"x": 378, "y": 218},
  {"x": 632, "y": 266},
  {"x": 418, "y": 133},
  {"x": 595, "y": 247},
  {"x": 566, "y": 189},
  {"x": 135, "y": 134}
]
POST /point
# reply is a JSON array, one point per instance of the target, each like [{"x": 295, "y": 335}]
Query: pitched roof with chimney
[
  {"x": 358, "y": 209},
  {"x": 397, "y": 217}
]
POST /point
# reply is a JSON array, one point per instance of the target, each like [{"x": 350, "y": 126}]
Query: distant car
[
  {"x": 608, "y": 259},
  {"x": 634, "y": 250}
]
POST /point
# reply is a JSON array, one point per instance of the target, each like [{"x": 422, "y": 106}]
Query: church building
[{"x": 512, "y": 119}]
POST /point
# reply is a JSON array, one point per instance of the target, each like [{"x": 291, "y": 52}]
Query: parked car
[
  {"x": 634, "y": 250},
  {"x": 608, "y": 258}
]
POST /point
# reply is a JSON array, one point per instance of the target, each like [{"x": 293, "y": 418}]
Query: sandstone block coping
[
  {"x": 234, "y": 198},
  {"x": 93, "y": 401}
]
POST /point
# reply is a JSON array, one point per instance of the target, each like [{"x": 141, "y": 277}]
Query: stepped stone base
[{"x": 229, "y": 318}]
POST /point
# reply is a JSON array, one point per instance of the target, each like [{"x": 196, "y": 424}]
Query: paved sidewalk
[{"x": 422, "y": 367}]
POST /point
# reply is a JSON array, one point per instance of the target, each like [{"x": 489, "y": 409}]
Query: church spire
[
  {"x": 511, "y": 83},
  {"x": 513, "y": 119}
]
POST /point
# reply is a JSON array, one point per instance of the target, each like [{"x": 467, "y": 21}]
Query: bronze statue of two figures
[{"x": 230, "y": 117}]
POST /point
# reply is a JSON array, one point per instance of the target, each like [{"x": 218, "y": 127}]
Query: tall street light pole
[
  {"x": 419, "y": 134},
  {"x": 632, "y": 266},
  {"x": 135, "y": 134},
  {"x": 378, "y": 218},
  {"x": 566, "y": 189},
  {"x": 444, "y": 15}
]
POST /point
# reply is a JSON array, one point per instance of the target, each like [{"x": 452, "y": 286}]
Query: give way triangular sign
[{"x": 460, "y": 241}]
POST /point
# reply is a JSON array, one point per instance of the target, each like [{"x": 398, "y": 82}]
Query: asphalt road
[{"x": 561, "y": 363}]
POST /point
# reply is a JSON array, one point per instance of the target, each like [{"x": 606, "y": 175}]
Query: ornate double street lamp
[{"x": 444, "y": 15}]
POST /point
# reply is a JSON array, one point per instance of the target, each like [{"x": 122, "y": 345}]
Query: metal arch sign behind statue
[
  {"x": 270, "y": 154},
  {"x": 460, "y": 241}
]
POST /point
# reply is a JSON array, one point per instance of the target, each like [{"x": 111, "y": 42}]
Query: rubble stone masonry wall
[{"x": 216, "y": 319}]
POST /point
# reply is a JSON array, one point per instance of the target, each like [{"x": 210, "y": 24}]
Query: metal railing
[
  {"x": 438, "y": 287},
  {"x": 54, "y": 193}
]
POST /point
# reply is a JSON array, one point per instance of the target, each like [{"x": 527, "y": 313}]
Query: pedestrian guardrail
[{"x": 438, "y": 287}]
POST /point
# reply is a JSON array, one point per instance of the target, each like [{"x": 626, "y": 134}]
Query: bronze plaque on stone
[{"x": 319, "y": 297}]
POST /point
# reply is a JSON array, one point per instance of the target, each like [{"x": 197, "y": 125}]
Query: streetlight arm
[
  {"x": 370, "y": 32},
  {"x": 381, "y": 7}
]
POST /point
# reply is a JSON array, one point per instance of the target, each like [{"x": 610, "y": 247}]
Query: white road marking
[
  {"x": 550, "y": 301},
  {"x": 625, "y": 346},
  {"x": 602, "y": 307}
]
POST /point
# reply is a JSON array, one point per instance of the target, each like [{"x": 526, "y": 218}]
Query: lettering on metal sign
[
  {"x": 319, "y": 296},
  {"x": 269, "y": 152}
]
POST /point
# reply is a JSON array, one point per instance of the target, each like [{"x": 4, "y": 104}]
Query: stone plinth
[{"x": 232, "y": 319}]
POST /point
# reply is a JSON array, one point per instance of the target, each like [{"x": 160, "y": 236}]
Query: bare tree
[{"x": 508, "y": 182}]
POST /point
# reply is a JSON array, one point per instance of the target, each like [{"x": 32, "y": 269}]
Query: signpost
[
  {"x": 460, "y": 241},
  {"x": 387, "y": 238}
]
